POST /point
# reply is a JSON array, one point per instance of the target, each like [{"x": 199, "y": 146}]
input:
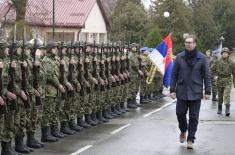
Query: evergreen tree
[
  {"x": 179, "y": 21},
  {"x": 129, "y": 21}
]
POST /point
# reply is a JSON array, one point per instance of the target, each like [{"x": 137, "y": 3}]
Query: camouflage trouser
[
  {"x": 134, "y": 87},
  {"x": 107, "y": 98},
  {"x": 93, "y": 101},
  {"x": 73, "y": 107},
  {"x": 145, "y": 89},
  {"x": 158, "y": 87},
  {"x": 86, "y": 104},
  {"x": 224, "y": 93},
  {"x": 70, "y": 109},
  {"x": 123, "y": 93},
  {"x": 1, "y": 125},
  {"x": 20, "y": 120},
  {"x": 214, "y": 87},
  {"x": 102, "y": 102},
  {"x": 79, "y": 106},
  {"x": 117, "y": 95},
  {"x": 62, "y": 110},
  {"x": 8, "y": 127},
  {"x": 34, "y": 116},
  {"x": 97, "y": 101},
  {"x": 112, "y": 94},
  {"x": 48, "y": 115},
  {"x": 127, "y": 90}
]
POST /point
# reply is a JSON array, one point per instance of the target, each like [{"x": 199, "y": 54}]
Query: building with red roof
[{"x": 83, "y": 20}]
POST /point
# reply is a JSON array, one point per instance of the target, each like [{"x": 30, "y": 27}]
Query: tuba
[{"x": 151, "y": 74}]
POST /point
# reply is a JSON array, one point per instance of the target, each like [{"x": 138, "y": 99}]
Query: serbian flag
[{"x": 161, "y": 56}]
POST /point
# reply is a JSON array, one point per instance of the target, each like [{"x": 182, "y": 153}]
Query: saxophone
[{"x": 151, "y": 74}]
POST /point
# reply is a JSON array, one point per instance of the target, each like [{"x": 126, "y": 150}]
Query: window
[
  {"x": 102, "y": 38},
  {"x": 66, "y": 36},
  {"x": 83, "y": 36}
]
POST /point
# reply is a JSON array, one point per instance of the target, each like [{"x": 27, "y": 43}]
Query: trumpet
[{"x": 151, "y": 74}]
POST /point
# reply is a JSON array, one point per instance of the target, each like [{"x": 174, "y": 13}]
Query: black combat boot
[
  {"x": 114, "y": 110},
  {"x": 100, "y": 117},
  {"x": 56, "y": 132},
  {"x": 143, "y": 100},
  {"x": 82, "y": 123},
  {"x": 32, "y": 142},
  {"x": 214, "y": 98},
  {"x": 46, "y": 135},
  {"x": 130, "y": 104},
  {"x": 110, "y": 112},
  {"x": 151, "y": 98},
  {"x": 89, "y": 121},
  {"x": 219, "y": 109},
  {"x": 7, "y": 149},
  {"x": 156, "y": 96},
  {"x": 118, "y": 108},
  {"x": 74, "y": 126},
  {"x": 19, "y": 145},
  {"x": 106, "y": 115},
  {"x": 93, "y": 118},
  {"x": 227, "y": 110},
  {"x": 65, "y": 128}
]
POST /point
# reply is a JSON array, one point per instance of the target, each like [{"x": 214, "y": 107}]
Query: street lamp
[
  {"x": 166, "y": 15},
  {"x": 53, "y": 18},
  {"x": 221, "y": 42}
]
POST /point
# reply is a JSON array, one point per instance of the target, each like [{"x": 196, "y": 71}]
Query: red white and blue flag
[{"x": 161, "y": 56}]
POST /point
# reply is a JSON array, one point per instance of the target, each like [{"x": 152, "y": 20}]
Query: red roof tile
[{"x": 68, "y": 13}]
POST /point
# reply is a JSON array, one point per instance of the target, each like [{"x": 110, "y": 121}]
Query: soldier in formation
[{"x": 67, "y": 87}]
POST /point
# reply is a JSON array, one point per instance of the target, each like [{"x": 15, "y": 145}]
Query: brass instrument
[{"x": 151, "y": 74}]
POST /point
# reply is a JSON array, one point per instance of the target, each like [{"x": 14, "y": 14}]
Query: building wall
[
  {"x": 68, "y": 34},
  {"x": 95, "y": 27}
]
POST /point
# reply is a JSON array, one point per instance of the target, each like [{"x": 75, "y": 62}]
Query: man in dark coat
[{"x": 191, "y": 69}]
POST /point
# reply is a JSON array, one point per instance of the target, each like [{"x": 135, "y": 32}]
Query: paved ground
[{"x": 144, "y": 133}]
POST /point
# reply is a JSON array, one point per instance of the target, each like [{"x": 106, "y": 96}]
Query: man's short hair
[{"x": 191, "y": 36}]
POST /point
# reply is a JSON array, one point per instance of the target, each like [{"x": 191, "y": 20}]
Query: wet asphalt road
[{"x": 153, "y": 134}]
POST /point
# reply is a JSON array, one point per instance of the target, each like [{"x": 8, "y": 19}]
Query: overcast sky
[{"x": 146, "y": 3}]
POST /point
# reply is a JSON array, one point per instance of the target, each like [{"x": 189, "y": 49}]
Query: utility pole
[{"x": 53, "y": 20}]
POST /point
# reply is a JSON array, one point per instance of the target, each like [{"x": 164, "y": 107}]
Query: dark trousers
[{"x": 182, "y": 107}]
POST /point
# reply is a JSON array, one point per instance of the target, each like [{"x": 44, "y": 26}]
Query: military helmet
[
  {"x": 51, "y": 45},
  {"x": 62, "y": 44},
  {"x": 3, "y": 45},
  {"x": 225, "y": 49},
  {"x": 28, "y": 45},
  {"x": 41, "y": 46},
  {"x": 19, "y": 44}
]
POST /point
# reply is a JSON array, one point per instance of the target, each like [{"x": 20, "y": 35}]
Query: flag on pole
[{"x": 161, "y": 56}]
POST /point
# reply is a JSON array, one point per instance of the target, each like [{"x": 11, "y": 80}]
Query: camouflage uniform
[
  {"x": 5, "y": 128},
  {"x": 108, "y": 93},
  {"x": 134, "y": 78},
  {"x": 21, "y": 118},
  {"x": 71, "y": 108},
  {"x": 224, "y": 70},
  {"x": 85, "y": 87},
  {"x": 91, "y": 105},
  {"x": 64, "y": 101},
  {"x": 35, "y": 115},
  {"x": 51, "y": 93},
  {"x": 211, "y": 61}
]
